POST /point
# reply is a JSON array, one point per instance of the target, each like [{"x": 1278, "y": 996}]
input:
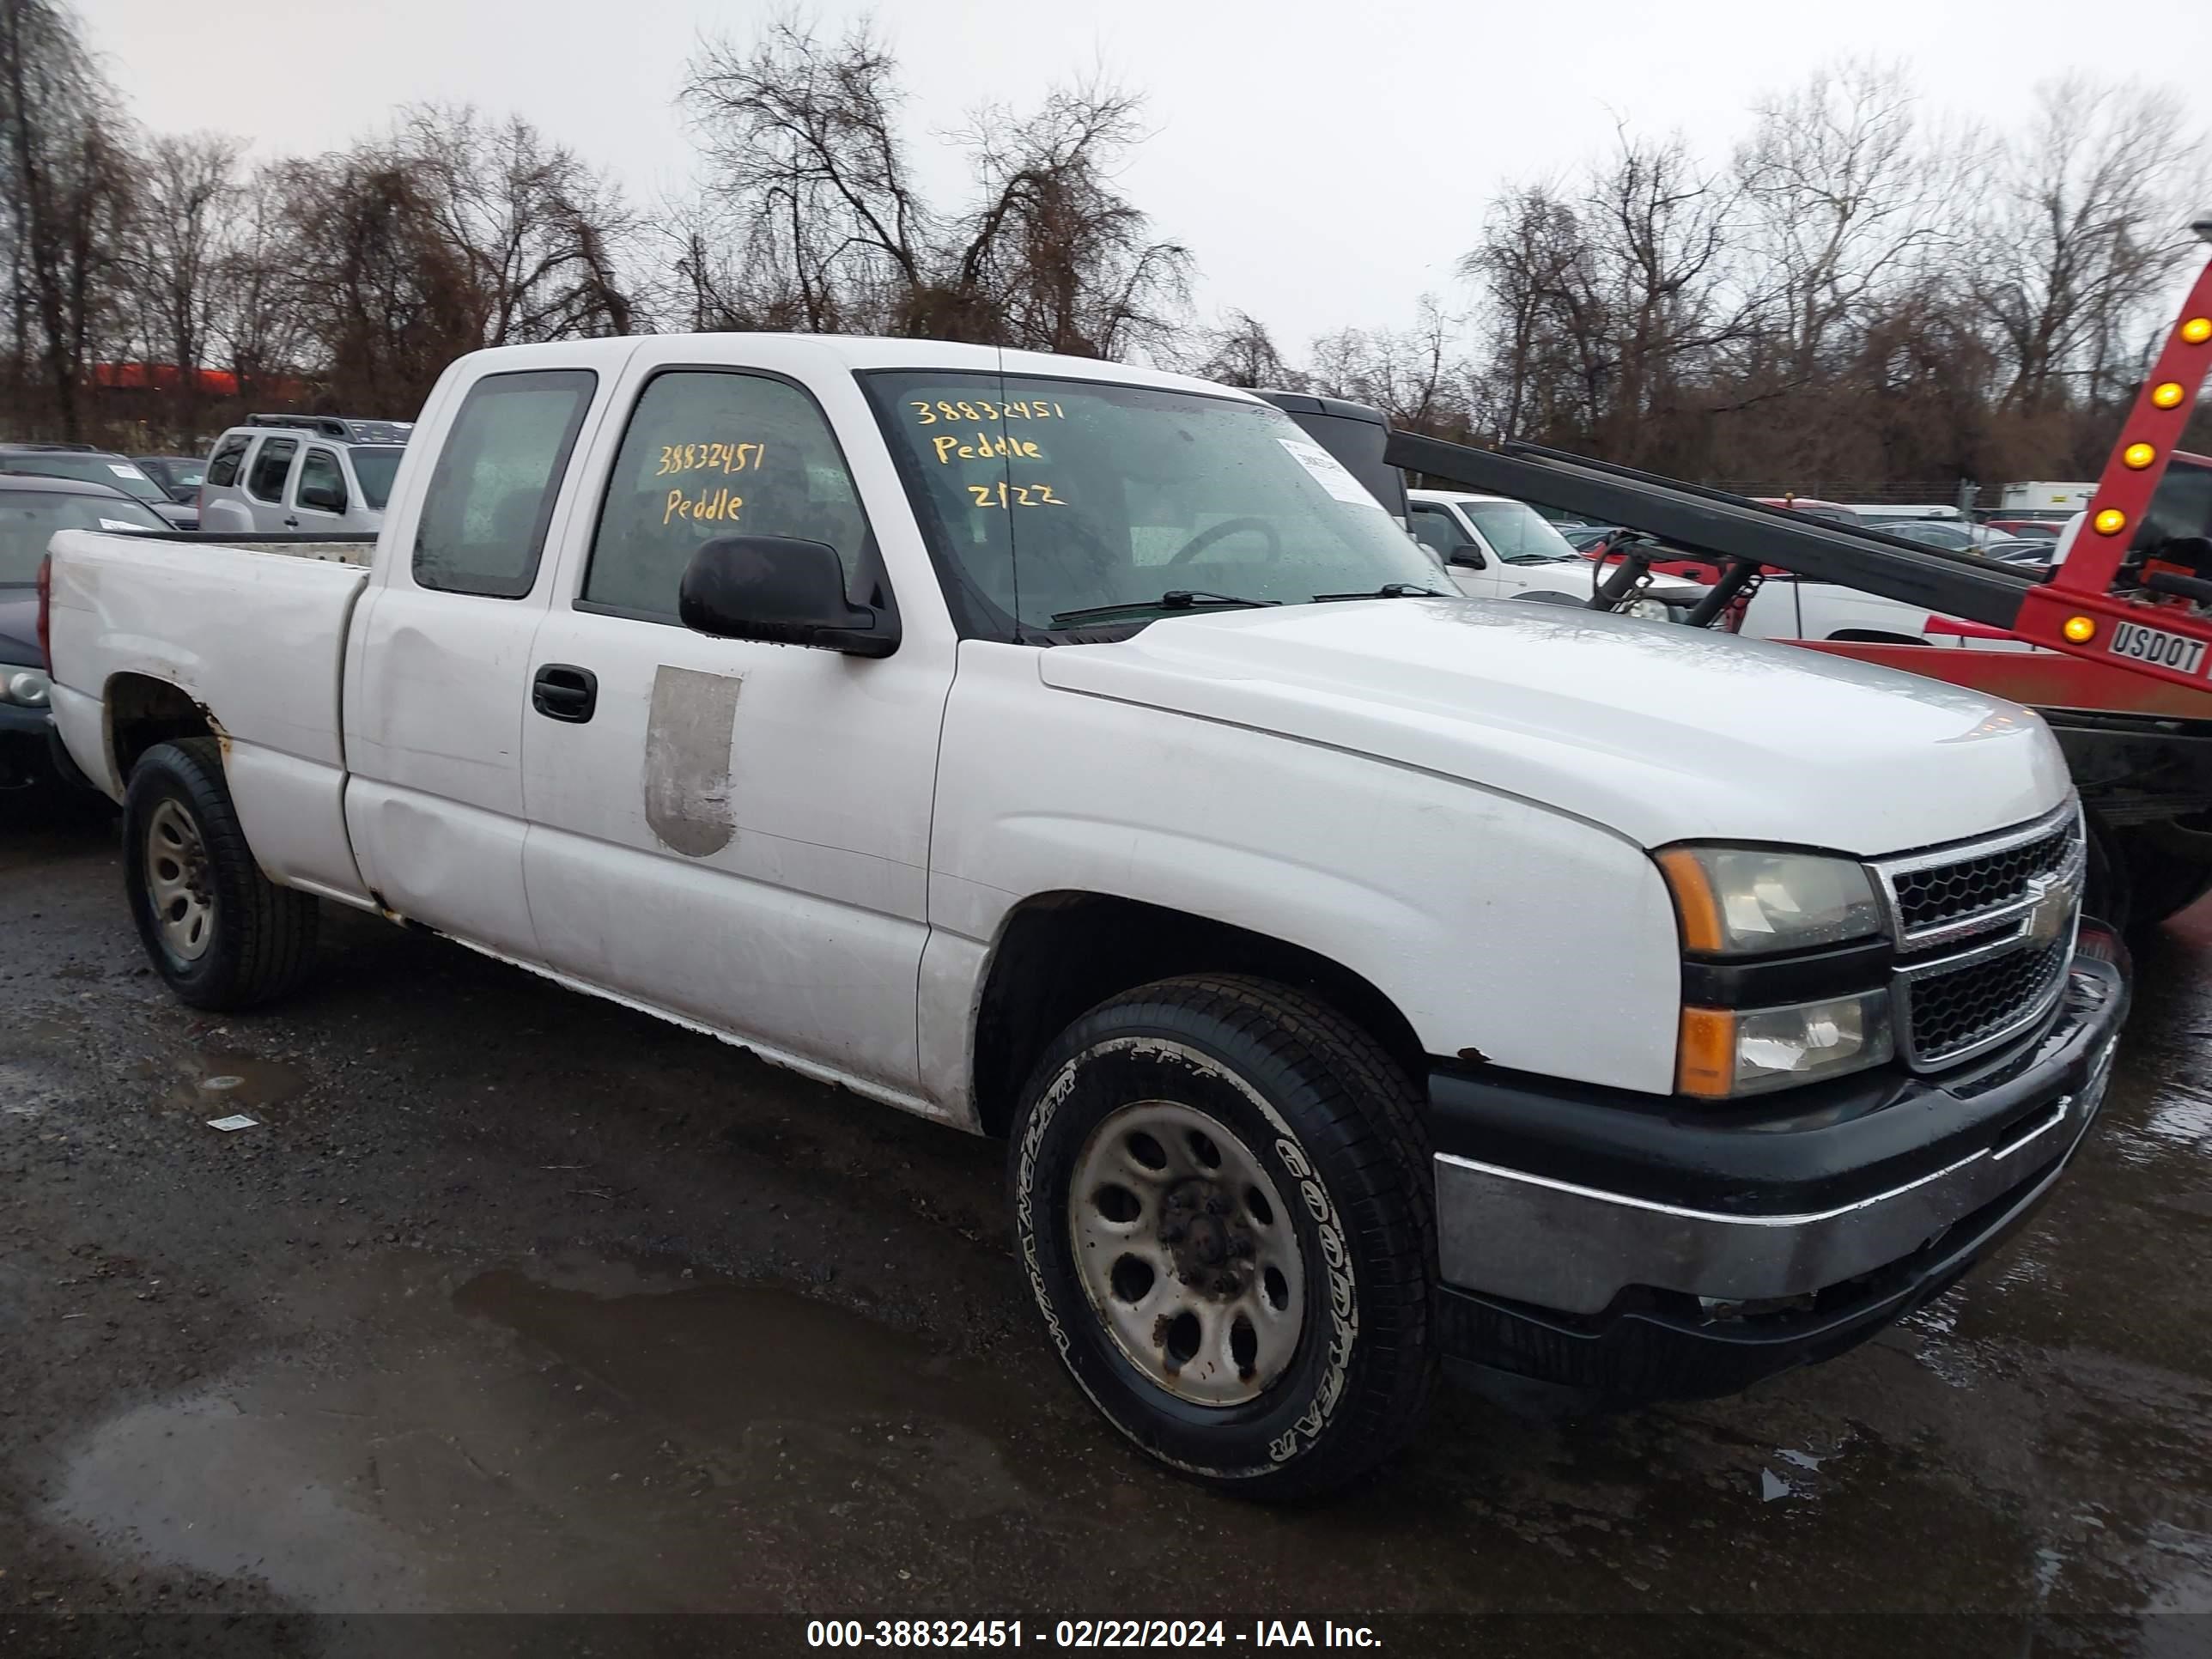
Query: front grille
[
  {"x": 1946, "y": 892},
  {"x": 1950, "y": 1011},
  {"x": 1984, "y": 933}
]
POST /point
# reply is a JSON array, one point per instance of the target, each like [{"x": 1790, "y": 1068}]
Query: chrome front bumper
[{"x": 1558, "y": 1244}]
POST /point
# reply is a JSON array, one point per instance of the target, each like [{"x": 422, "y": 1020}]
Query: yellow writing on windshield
[
  {"x": 1006, "y": 494},
  {"x": 707, "y": 507},
  {"x": 926, "y": 413},
  {"x": 708, "y": 458},
  {"x": 986, "y": 447}
]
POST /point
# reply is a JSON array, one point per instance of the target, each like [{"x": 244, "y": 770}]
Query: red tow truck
[{"x": 2125, "y": 675}]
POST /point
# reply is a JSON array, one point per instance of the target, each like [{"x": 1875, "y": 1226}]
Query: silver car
[{"x": 303, "y": 474}]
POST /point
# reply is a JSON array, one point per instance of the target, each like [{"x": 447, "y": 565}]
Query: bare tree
[
  {"x": 542, "y": 237},
  {"x": 258, "y": 321},
  {"x": 1241, "y": 352},
  {"x": 1839, "y": 197},
  {"x": 65, "y": 202},
  {"x": 1056, "y": 257},
  {"x": 1532, "y": 268},
  {"x": 384, "y": 298},
  {"x": 1414, "y": 375},
  {"x": 812, "y": 179},
  {"x": 2081, "y": 229},
  {"x": 188, "y": 198},
  {"x": 813, "y": 220}
]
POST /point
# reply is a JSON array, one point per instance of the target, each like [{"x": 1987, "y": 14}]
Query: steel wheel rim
[
  {"x": 177, "y": 882},
  {"x": 1188, "y": 1253}
]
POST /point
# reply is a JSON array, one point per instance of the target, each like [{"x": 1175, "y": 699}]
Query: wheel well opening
[
  {"x": 1062, "y": 953},
  {"x": 142, "y": 711}
]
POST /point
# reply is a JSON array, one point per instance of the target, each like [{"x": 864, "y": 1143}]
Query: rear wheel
[
  {"x": 221, "y": 933},
  {"x": 1224, "y": 1204}
]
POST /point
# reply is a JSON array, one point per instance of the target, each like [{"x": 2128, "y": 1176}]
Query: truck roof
[{"x": 859, "y": 352}]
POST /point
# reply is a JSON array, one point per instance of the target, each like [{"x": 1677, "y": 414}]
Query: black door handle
[
  {"x": 291, "y": 523},
  {"x": 562, "y": 693}
]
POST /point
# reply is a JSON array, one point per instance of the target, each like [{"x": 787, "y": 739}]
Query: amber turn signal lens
[
  {"x": 2112, "y": 521},
  {"x": 1707, "y": 1065},
  {"x": 2168, "y": 395},
  {"x": 2198, "y": 330},
  {"x": 1694, "y": 902},
  {"x": 2080, "y": 630},
  {"x": 2138, "y": 456}
]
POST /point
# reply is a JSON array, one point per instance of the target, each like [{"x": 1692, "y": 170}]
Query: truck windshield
[
  {"x": 374, "y": 468},
  {"x": 1520, "y": 534},
  {"x": 29, "y": 517},
  {"x": 1047, "y": 497}
]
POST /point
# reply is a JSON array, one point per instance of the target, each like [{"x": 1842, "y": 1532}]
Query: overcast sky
[{"x": 1327, "y": 162}]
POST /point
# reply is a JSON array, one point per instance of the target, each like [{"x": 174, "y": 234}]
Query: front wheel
[
  {"x": 1223, "y": 1201},
  {"x": 221, "y": 933}
]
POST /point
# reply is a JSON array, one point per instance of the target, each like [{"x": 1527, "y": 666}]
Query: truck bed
[{"x": 254, "y": 627}]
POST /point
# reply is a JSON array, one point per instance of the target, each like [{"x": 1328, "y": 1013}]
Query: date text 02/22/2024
[{"x": 1084, "y": 1633}]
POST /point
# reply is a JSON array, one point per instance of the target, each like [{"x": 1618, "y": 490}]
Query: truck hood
[{"x": 1656, "y": 731}]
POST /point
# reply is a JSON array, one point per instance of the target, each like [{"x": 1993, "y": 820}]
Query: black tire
[
  {"x": 2108, "y": 887},
  {"x": 1320, "y": 1109},
  {"x": 2164, "y": 878},
  {"x": 260, "y": 939}
]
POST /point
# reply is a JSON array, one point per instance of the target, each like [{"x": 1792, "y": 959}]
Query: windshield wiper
[
  {"x": 1176, "y": 599},
  {"x": 1388, "y": 591}
]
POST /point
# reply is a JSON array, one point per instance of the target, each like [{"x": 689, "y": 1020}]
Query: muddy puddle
[
  {"x": 582, "y": 1437},
  {"x": 219, "y": 1083}
]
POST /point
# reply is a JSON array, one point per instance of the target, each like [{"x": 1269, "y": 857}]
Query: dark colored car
[
  {"x": 178, "y": 475},
  {"x": 31, "y": 510},
  {"x": 99, "y": 466}
]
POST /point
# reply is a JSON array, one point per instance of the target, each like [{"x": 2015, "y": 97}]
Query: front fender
[{"x": 1544, "y": 942}]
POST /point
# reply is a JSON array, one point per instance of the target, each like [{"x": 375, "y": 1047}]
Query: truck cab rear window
[{"x": 486, "y": 510}]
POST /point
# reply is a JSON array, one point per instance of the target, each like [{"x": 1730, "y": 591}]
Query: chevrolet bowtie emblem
[{"x": 2053, "y": 899}]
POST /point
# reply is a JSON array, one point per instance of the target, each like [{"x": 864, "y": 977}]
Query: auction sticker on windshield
[
  {"x": 1329, "y": 472},
  {"x": 2157, "y": 647}
]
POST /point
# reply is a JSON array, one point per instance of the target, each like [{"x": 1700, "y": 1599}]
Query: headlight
[
  {"x": 25, "y": 685},
  {"x": 1727, "y": 1052},
  {"x": 1738, "y": 901}
]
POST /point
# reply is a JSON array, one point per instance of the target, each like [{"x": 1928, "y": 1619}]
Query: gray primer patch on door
[{"x": 687, "y": 760}]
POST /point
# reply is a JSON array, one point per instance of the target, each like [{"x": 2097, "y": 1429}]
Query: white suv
[{"x": 314, "y": 474}]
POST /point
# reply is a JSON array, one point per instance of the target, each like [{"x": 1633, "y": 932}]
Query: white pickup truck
[{"x": 1363, "y": 975}]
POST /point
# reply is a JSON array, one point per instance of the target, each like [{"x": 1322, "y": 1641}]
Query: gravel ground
[{"x": 517, "y": 1302}]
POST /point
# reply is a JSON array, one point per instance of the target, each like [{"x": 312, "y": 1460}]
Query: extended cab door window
[
  {"x": 490, "y": 500},
  {"x": 266, "y": 483},
  {"x": 711, "y": 453}
]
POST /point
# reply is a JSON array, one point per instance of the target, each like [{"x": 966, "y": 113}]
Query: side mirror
[
  {"x": 780, "y": 591},
  {"x": 322, "y": 498},
  {"x": 1469, "y": 554}
]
